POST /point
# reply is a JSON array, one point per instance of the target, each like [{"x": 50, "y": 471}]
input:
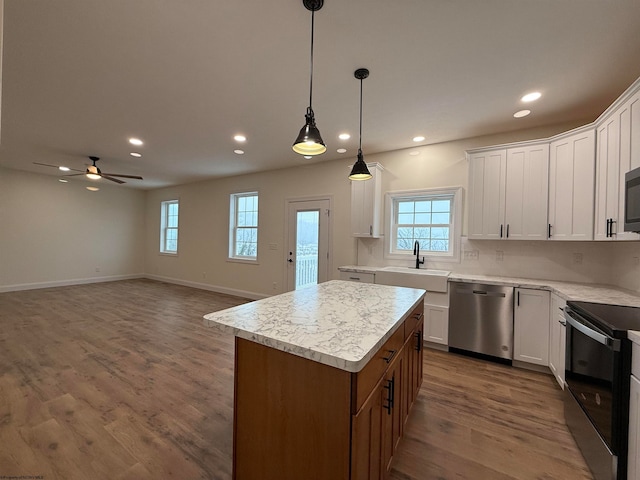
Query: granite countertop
[
  {"x": 579, "y": 292},
  {"x": 337, "y": 323}
]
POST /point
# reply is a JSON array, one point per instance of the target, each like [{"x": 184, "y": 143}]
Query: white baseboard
[
  {"x": 206, "y": 286},
  {"x": 65, "y": 283}
]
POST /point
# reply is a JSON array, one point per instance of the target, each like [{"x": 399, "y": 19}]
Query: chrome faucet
[{"x": 416, "y": 252}]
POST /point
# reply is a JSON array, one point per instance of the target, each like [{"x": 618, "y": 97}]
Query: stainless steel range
[{"x": 598, "y": 370}]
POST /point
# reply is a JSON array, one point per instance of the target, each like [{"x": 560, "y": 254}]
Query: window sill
[
  {"x": 243, "y": 260},
  {"x": 168, "y": 254}
]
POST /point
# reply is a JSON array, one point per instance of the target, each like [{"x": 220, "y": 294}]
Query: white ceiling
[{"x": 80, "y": 77}]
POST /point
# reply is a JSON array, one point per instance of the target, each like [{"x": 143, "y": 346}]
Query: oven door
[{"x": 592, "y": 358}]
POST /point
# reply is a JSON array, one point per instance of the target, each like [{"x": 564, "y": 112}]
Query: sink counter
[{"x": 337, "y": 323}]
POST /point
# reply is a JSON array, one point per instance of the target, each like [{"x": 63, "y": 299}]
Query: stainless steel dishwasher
[{"x": 481, "y": 319}]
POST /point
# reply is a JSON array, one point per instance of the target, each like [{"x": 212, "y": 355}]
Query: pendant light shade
[
  {"x": 309, "y": 141},
  {"x": 360, "y": 170}
]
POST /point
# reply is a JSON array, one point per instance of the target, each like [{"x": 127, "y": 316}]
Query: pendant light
[
  {"x": 360, "y": 170},
  {"x": 309, "y": 141}
]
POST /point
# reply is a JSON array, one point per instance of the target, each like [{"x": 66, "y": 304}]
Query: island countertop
[{"x": 337, "y": 323}]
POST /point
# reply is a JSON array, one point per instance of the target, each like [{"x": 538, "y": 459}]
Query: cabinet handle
[
  {"x": 507, "y": 230},
  {"x": 549, "y": 235},
  {"x": 418, "y": 335},
  {"x": 388, "y": 359},
  {"x": 608, "y": 225},
  {"x": 518, "y": 298},
  {"x": 354, "y": 278},
  {"x": 418, "y": 316},
  {"x": 500, "y": 230},
  {"x": 371, "y": 230},
  {"x": 390, "y": 387},
  {"x": 611, "y": 234},
  {"x": 562, "y": 322}
]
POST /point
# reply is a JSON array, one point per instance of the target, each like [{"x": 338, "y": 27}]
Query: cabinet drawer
[
  {"x": 366, "y": 379},
  {"x": 358, "y": 277},
  {"x": 413, "y": 320}
]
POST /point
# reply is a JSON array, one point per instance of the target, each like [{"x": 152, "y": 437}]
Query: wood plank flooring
[{"x": 121, "y": 380}]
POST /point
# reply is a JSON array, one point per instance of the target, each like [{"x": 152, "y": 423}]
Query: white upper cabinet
[
  {"x": 366, "y": 204},
  {"x": 487, "y": 176},
  {"x": 527, "y": 192},
  {"x": 618, "y": 152},
  {"x": 508, "y": 191},
  {"x": 571, "y": 186}
]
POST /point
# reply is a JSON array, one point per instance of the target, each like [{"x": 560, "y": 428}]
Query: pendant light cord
[
  {"x": 360, "y": 144},
  {"x": 311, "y": 69}
]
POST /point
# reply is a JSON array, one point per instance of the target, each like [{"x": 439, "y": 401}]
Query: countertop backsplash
[{"x": 610, "y": 263}]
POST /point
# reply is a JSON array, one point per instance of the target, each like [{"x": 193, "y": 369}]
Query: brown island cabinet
[{"x": 304, "y": 413}]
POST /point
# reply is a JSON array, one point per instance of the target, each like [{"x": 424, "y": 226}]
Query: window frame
[
  {"x": 455, "y": 224},
  {"x": 233, "y": 227},
  {"x": 164, "y": 228}
]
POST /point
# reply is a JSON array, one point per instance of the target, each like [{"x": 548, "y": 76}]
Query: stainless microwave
[{"x": 632, "y": 200}]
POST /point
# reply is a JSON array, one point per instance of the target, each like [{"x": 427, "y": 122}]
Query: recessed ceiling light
[
  {"x": 135, "y": 154},
  {"x": 344, "y": 136},
  {"x": 341, "y": 150},
  {"x": 239, "y": 152},
  {"x": 414, "y": 152},
  {"x": 135, "y": 141},
  {"x": 240, "y": 138},
  {"x": 522, "y": 113},
  {"x": 93, "y": 189},
  {"x": 419, "y": 138},
  {"x": 63, "y": 168},
  {"x": 63, "y": 180},
  {"x": 308, "y": 157},
  {"x": 531, "y": 97}
]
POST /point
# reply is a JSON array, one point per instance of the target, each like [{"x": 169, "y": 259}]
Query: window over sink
[{"x": 432, "y": 217}]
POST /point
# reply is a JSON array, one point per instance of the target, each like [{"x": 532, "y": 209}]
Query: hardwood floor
[{"x": 121, "y": 380}]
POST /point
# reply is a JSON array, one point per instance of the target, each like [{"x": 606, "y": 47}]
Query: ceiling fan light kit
[{"x": 94, "y": 173}]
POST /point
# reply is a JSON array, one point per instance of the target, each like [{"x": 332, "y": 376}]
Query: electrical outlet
[
  {"x": 275, "y": 285},
  {"x": 273, "y": 246},
  {"x": 97, "y": 269},
  {"x": 577, "y": 258},
  {"x": 499, "y": 255},
  {"x": 204, "y": 274},
  {"x": 636, "y": 260}
]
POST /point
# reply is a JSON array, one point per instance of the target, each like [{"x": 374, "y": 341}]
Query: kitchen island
[{"x": 324, "y": 380}]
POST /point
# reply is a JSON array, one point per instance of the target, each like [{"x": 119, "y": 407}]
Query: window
[
  {"x": 169, "y": 226},
  {"x": 430, "y": 217},
  {"x": 243, "y": 228}
]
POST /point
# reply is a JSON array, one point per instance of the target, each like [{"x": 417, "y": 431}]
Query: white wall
[
  {"x": 56, "y": 234},
  {"x": 204, "y": 228}
]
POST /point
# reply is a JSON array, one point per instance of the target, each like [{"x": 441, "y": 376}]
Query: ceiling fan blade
[
  {"x": 74, "y": 175},
  {"x": 55, "y": 166},
  {"x": 123, "y": 176},
  {"x": 106, "y": 176}
]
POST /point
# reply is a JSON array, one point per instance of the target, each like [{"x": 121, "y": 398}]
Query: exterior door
[{"x": 307, "y": 253}]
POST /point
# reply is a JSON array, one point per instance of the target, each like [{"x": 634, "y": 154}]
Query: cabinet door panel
[
  {"x": 366, "y": 462},
  {"x": 436, "y": 324},
  {"x": 571, "y": 187},
  {"x": 531, "y": 326},
  {"x": 633, "y": 468},
  {"x": 487, "y": 173},
  {"x": 527, "y": 193}
]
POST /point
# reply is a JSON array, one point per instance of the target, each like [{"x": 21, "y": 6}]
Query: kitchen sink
[{"x": 425, "y": 278}]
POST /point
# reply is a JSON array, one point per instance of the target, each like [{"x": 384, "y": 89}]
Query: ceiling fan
[{"x": 93, "y": 172}]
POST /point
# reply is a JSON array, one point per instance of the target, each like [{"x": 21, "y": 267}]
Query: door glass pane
[{"x": 307, "y": 230}]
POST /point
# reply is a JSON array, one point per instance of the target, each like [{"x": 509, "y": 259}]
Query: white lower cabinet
[
  {"x": 531, "y": 326},
  {"x": 436, "y": 324},
  {"x": 633, "y": 467},
  {"x": 557, "y": 338}
]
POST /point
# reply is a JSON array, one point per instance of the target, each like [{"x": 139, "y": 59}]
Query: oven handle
[{"x": 612, "y": 343}]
